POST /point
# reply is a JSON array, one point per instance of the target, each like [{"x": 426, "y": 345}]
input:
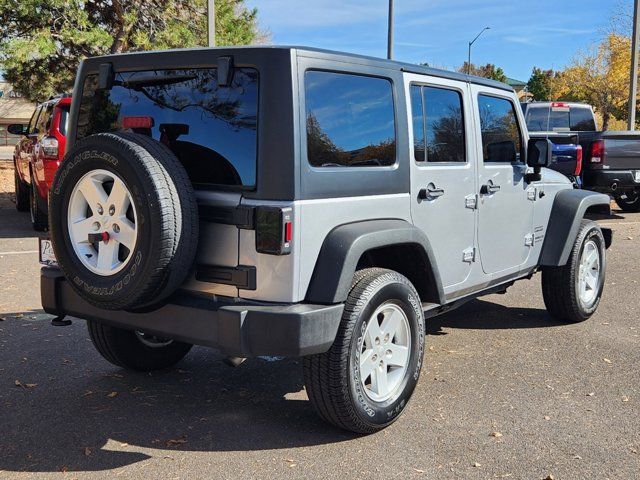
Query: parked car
[
  {"x": 304, "y": 203},
  {"x": 37, "y": 156},
  {"x": 611, "y": 161}
]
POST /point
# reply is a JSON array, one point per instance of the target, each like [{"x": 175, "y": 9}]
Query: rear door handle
[
  {"x": 489, "y": 189},
  {"x": 430, "y": 193}
]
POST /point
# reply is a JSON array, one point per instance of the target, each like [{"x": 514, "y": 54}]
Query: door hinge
[
  {"x": 469, "y": 255},
  {"x": 528, "y": 240},
  {"x": 471, "y": 201},
  {"x": 532, "y": 194}
]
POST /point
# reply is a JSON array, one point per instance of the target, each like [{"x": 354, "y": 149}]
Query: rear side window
[
  {"x": 64, "y": 120},
  {"x": 350, "y": 120},
  {"x": 582, "y": 120},
  {"x": 501, "y": 139},
  {"x": 438, "y": 125},
  {"x": 212, "y": 130}
]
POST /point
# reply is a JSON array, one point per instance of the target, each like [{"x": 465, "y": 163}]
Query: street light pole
[
  {"x": 390, "y": 32},
  {"x": 211, "y": 23},
  {"x": 633, "y": 81},
  {"x": 474, "y": 41}
]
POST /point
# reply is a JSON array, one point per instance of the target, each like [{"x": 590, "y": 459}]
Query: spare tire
[{"x": 124, "y": 221}]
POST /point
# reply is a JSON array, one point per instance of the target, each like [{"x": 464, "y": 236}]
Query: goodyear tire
[
  {"x": 573, "y": 292},
  {"x": 364, "y": 381},
  {"x": 124, "y": 222}
]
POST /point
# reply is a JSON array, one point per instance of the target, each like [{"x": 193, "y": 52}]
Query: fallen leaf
[
  {"x": 418, "y": 470},
  {"x": 18, "y": 383},
  {"x": 477, "y": 465},
  {"x": 30, "y": 385},
  {"x": 112, "y": 394},
  {"x": 606, "y": 360},
  {"x": 496, "y": 434},
  {"x": 87, "y": 451},
  {"x": 546, "y": 417},
  {"x": 177, "y": 441},
  {"x": 625, "y": 398},
  {"x": 549, "y": 477},
  {"x": 591, "y": 394}
]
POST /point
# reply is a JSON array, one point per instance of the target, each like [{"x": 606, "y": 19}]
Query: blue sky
[{"x": 524, "y": 34}]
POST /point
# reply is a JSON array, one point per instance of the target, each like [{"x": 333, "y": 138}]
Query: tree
[
  {"x": 540, "y": 84},
  {"x": 43, "y": 41},
  {"x": 600, "y": 77},
  {"x": 487, "y": 71}
]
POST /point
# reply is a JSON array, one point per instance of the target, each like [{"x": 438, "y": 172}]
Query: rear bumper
[
  {"x": 244, "y": 329},
  {"x": 605, "y": 180}
]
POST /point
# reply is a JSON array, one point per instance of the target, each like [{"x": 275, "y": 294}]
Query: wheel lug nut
[
  {"x": 377, "y": 341},
  {"x": 374, "y": 357},
  {"x": 381, "y": 364},
  {"x": 100, "y": 210},
  {"x": 386, "y": 338},
  {"x": 389, "y": 353},
  {"x": 96, "y": 226},
  {"x": 112, "y": 209},
  {"x": 116, "y": 228}
]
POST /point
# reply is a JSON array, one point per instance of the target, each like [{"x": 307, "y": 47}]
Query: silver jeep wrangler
[{"x": 297, "y": 202}]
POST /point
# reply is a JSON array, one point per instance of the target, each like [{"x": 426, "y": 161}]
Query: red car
[{"x": 38, "y": 155}]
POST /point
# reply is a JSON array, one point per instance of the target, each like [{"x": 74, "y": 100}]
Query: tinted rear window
[
  {"x": 350, "y": 120},
  {"x": 211, "y": 129},
  {"x": 562, "y": 119}
]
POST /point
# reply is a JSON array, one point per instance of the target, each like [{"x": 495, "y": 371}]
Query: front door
[
  {"x": 443, "y": 175},
  {"x": 505, "y": 217}
]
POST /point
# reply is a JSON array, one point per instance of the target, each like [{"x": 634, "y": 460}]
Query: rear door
[
  {"x": 506, "y": 201},
  {"x": 443, "y": 176}
]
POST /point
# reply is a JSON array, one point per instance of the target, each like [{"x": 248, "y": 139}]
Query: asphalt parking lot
[{"x": 505, "y": 393}]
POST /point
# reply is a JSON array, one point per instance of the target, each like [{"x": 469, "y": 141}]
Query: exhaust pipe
[{"x": 614, "y": 186}]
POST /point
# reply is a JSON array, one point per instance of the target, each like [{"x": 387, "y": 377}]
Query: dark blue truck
[{"x": 606, "y": 162}]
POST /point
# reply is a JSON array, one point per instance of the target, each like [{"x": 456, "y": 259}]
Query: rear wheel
[
  {"x": 629, "y": 202},
  {"x": 22, "y": 192},
  {"x": 572, "y": 292},
  {"x": 136, "y": 350},
  {"x": 364, "y": 381},
  {"x": 39, "y": 217}
]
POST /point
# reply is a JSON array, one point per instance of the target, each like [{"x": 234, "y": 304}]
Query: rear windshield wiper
[{"x": 154, "y": 81}]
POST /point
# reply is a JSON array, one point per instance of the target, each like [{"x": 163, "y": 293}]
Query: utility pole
[
  {"x": 633, "y": 81},
  {"x": 390, "y": 32},
  {"x": 474, "y": 41},
  {"x": 211, "y": 23}
]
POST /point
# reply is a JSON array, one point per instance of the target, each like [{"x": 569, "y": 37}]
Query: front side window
[
  {"x": 501, "y": 139},
  {"x": 350, "y": 120},
  {"x": 438, "y": 113},
  {"x": 211, "y": 129}
]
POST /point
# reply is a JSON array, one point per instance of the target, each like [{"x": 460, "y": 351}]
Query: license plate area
[{"x": 46, "y": 254}]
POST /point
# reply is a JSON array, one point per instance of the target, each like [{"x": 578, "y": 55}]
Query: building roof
[{"x": 516, "y": 83}]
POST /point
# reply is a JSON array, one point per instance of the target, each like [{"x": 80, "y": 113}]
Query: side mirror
[
  {"x": 539, "y": 153},
  {"x": 17, "y": 129}
]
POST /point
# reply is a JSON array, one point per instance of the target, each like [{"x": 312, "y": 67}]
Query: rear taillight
[
  {"x": 274, "y": 230},
  {"x": 130, "y": 122},
  {"x": 597, "y": 152},
  {"x": 49, "y": 147},
  {"x": 578, "y": 169}
]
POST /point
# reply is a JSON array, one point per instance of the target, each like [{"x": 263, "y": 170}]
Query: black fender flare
[
  {"x": 568, "y": 210},
  {"x": 344, "y": 246}
]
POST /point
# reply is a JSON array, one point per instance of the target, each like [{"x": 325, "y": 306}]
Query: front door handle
[
  {"x": 430, "y": 192},
  {"x": 489, "y": 189}
]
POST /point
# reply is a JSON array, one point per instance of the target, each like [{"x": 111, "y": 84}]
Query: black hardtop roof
[{"x": 337, "y": 56}]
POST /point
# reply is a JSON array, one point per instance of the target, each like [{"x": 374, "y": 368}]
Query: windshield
[{"x": 211, "y": 129}]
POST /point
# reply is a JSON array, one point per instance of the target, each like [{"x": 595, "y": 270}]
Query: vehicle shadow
[
  {"x": 72, "y": 411},
  {"x": 14, "y": 224},
  {"x": 485, "y": 315}
]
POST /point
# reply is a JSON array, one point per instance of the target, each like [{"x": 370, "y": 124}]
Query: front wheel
[
  {"x": 572, "y": 292},
  {"x": 629, "y": 202},
  {"x": 364, "y": 381},
  {"x": 135, "y": 350}
]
